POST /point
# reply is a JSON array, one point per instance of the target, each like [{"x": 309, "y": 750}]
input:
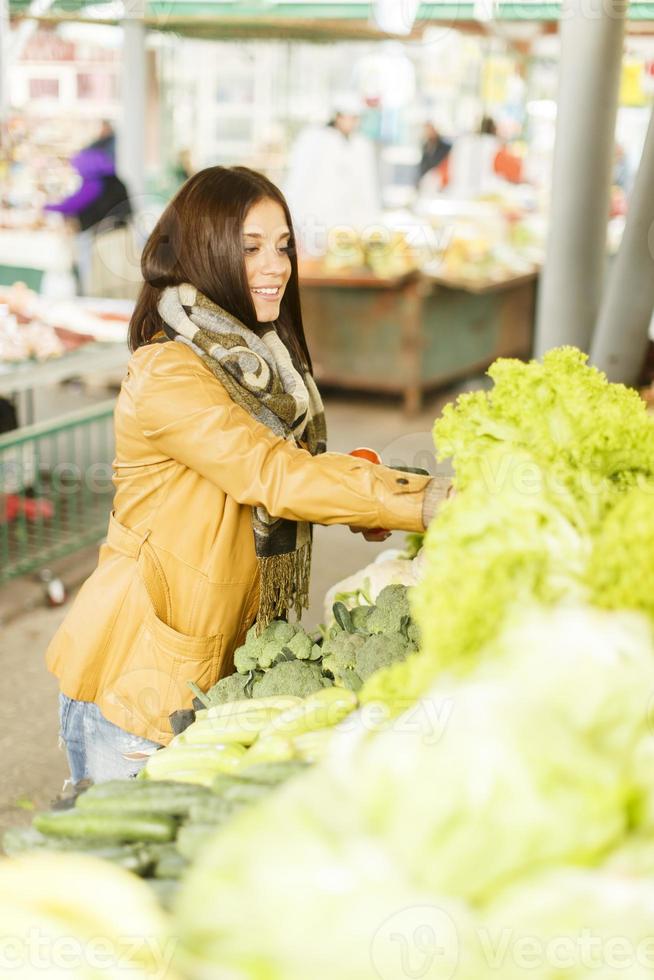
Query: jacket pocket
[{"x": 154, "y": 680}]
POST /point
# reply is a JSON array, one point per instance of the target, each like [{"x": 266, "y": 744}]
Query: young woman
[{"x": 220, "y": 471}]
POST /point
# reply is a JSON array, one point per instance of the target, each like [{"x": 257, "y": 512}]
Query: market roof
[{"x": 294, "y": 19}]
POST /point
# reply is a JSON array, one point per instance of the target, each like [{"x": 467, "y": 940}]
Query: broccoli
[
  {"x": 339, "y": 658},
  {"x": 279, "y": 632},
  {"x": 295, "y": 677},
  {"x": 271, "y": 651},
  {"x": 263, "y": 651},
  {"x": 230, "y": 688},
  {"x": 381, "y": 650},
  {"x": 359, "y": 616},
  {"x": 391, "y": 613},
  {"x": 301, "y": 646}
]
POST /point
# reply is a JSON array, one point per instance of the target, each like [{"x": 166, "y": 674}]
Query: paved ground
[{"x": 33, "y": 769}]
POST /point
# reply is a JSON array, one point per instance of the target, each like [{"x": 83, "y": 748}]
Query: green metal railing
[{"x": 55, "y": 488}]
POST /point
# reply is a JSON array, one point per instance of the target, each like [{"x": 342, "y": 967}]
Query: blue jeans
[{"x": 97, "y": 749}]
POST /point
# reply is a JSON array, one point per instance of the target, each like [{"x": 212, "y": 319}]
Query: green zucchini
[
  {"x": 215, "y": 810},
  {"x": 175, "y": 799},
  {"x": 89, "y": 825},
  {"x": 271, "y": 773}
]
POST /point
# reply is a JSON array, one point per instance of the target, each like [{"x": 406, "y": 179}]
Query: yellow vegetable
[
  {"x": 232, "y": 709},
  {"x": 324, "y": 709},
  {"x": 273, "y": 748}
]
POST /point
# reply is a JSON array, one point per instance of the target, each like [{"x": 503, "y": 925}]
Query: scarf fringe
[{"x": 284, "y": 585}]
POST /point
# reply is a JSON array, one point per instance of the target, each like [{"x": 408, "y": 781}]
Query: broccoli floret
[
  {"x": 360, "y": 616},
  {"x": 230, "y": 688},
  {"x": 270, "y": 654},
  {"x": 246, "y": 658},
  {"x": 279, "y": 632},
  {"x": 380, "y": 650},
  {"x": 391, "y": 612},
  {"x": 295, "y": 677},
  {"x": 339, "y": 658},
  {"x": 300, "y": 646}
]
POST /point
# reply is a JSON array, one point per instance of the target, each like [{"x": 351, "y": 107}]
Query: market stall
[
  {"x": 409, "y": 334},
  {"x": 29, "y": 255},
  {"x": 462, "y": 751},
  {"x": 55, "y": 470}
]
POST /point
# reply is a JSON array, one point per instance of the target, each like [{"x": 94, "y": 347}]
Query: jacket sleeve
[{"x": 187, "y": 415}]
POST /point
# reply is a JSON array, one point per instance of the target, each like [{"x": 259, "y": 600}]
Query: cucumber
[
  {"x": 175, "y": 799},
  {"x": 271, "y": 773},
  {"x": 89, "y": 825},
  {"x": 245, "y": 793},
  {"x": 214, "y": 811}
]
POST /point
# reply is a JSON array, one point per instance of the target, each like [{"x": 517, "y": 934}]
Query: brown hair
[{"x": 197, "y": 240}]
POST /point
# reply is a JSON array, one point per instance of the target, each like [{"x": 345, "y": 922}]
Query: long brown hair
[{"x": 198, "y": 239}]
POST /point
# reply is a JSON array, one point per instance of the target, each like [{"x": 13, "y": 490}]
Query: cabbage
[
  {"x": 574, "y": 924},
  {"x": 294, "y": 890},
  {"x": 528, "y": 761},
  {"x": 421, "y": 820},
  {"x": 363, "y": 587},
  {"x": 71, "y": 915}
]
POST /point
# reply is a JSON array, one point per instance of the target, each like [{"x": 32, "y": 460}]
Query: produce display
[
  {"x": 22, "y": 334},
  {"x": 285, "y": 660},
  {"x": 76, "y": 917},
  {"x": 483, "y": 807}
]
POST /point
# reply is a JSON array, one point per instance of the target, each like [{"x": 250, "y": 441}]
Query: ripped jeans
[{"x": 97, "y": 749}]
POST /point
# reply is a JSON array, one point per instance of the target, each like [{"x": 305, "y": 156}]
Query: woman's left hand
[{"x": 371, "y": 534}]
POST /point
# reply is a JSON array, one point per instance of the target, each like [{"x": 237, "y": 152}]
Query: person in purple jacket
[{"x": 101, "y": 203}]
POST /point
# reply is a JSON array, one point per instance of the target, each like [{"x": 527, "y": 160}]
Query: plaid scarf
[{"x": 258, "y": 374}]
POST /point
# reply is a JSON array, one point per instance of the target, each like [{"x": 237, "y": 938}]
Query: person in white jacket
[{"x": 333, "y": 179}]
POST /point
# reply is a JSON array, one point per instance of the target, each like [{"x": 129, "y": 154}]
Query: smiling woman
[
  {"x": 266, "y": 240},
  {"x": 221, "y": 468}
]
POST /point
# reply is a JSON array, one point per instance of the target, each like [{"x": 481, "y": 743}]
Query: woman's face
[{"x": 267, "y": 264}]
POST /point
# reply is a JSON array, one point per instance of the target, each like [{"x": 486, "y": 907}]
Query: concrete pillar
[
  {"x": 131, "y": 132},
  {"x": 4, "y": 62},
  {"x": 621, "y": 335},
  {"x": 571, "y": 285}
]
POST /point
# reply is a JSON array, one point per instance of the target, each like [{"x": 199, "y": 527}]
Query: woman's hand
[{"x": 371, "y": 534}]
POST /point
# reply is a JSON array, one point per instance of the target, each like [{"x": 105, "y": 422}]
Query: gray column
[
  {"x": 621, "y": 335},
  {"x": 4, "y": 61},
  {"x": 571, "y": 285},
  {"x": 131, "y": 132}
]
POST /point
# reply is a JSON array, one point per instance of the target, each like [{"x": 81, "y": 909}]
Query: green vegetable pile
[
  {"x": 503, "y": 826},
  {"x": 151, "y": 828},
  {"x": 554, "y": 478},
  {"x": 285, "y": 660}
]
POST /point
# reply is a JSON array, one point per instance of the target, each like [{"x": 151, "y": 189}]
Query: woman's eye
[
  {"x": 250, "y": 249},
  {"x": 287, "y": 249}
]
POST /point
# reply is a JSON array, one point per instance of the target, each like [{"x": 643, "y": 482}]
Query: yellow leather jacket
[{"x": 176, "y": 586}]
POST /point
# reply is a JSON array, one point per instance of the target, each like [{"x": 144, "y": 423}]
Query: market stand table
[
  {"x": 55, "y": 475},
  {"x": 414, "y": 332}
]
